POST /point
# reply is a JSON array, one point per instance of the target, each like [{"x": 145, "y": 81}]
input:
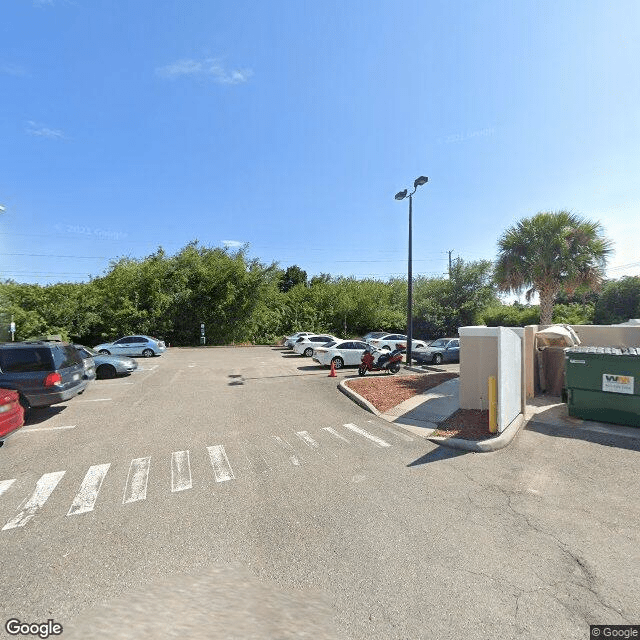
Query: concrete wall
[{"x": 478, "y": 361}]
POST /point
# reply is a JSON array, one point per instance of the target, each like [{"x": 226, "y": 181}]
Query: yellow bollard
[{"x": 493, "y": 404}]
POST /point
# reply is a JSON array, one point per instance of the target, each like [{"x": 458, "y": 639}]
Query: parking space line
[
  {"x": 366, "y": 434},
  {"x": 395, "y": 432},
  {"x": 88, "y": 494},
  {"x": 44, "y": 488},
  {"x": 29, "y": 430},
  {"x": 220, "y": 463},
  {"x": 287, "y": 447},
  {"x": 180, "y": 471},
  {"x": 95, "y": 400},
  {"x": 5, "y": 484},
  {"x": 334, "y": 433},
  {"x": 137, "y": 480}
]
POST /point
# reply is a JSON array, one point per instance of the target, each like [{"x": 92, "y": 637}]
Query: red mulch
[
  {"x": 386, "y": 391},
  {"x": 467, "y": 424}
]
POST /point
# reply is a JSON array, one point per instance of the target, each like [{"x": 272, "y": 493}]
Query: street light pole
[{"x": 401, "y": 196}]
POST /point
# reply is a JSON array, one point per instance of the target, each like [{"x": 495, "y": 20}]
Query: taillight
[{"x": 52, "y": 378}]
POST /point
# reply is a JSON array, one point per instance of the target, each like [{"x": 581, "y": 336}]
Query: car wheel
[
  {"x": 387, "y": 347},
  {"x": 338, "y": 362},
  {"x": 437, "y": 358},
  {"x": 104, "y": 352},
  {"x": 106, "y": 371},
  {"x": 147, "y": 353},
  {"x": 308, "y": 352},
  {"x": 25, "y": 405},
  {"x": 395, "y": 367},
  {"x": 1, "y": 442}
]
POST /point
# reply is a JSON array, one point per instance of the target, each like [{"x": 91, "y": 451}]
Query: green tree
[
  {"x": 619, "y": 301},
  {"x": 551, "y": 252},
  {"x": 292, "y": 276}
]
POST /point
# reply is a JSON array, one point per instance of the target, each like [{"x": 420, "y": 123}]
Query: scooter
[{"x": 385, "y": 362}]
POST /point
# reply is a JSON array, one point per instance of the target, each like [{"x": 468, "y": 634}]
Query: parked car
[
  {"x": 133, "y": 346},
  {"x": 438, "y": 351},
  {"x": 107, "y": 366},
  {"x": 340, "y": 352},
  {"x": 289, "y": 341},
  {"x": 306, "y": 344},
  {"x": 11, "y": 413},
  {"x": 42, "y": 372},
  {"x": 373, "y": 334},
  {"x": 389, "y": 341}
]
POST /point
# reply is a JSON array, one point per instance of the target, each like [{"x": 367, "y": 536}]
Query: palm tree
[{"x": 550, "y": 252}]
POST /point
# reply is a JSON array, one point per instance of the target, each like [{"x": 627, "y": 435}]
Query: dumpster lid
[{"x": 610, "y": 351}]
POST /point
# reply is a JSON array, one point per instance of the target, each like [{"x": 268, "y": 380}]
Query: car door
[
  {"x": 452, "y": 354},
  {"x": 119, "y": 347},
  {"x": 356, "y": 351}
]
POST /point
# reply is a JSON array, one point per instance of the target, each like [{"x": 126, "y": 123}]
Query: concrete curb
[
  {"x": 357, "y": 398},
  {"x": 483, "y": 446}
]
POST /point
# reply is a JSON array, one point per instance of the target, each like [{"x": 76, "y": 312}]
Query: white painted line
[
  {"x": 29, "y": 430},
  {"x": 89, "y": 489},
  {"x": 395, "y": 432},
  {"x": 285, "y": 445},
  {"x": 180, "y": 471},
  {"x": 366, "y": 434},
  {"x": 308, "y": 440},
  {"x": 44, "y": 488},
  {"x": 5, "y": 484},
  {"x": 220, "y": 463},
  {"x": 95, "y": 400},
  {"x": 334, "y": 433},
  {"x": 136, "y": 487}
]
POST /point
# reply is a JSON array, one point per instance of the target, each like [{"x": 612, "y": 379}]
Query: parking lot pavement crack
[{"x": 586, "y": 580}]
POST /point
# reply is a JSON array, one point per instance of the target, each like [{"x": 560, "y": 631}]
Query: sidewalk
[{"x": 420, "y": 415}]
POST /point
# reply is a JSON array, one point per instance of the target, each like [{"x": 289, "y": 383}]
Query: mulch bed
[
  {"x": 467, "y": 424},
  {"x": 386, "y": 391}
]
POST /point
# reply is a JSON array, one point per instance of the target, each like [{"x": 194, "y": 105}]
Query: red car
[{"x": 11, "y": 413}]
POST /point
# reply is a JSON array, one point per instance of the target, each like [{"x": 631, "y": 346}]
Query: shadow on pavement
[
  {"x": 42, "y": 414},
  {"x": 441, "y": 453},
  {"x": 588, "y": 434}
]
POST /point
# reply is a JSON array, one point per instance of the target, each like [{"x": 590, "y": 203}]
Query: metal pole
[{"x": 410, "y": 291}]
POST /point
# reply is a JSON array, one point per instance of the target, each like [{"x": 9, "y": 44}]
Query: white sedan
[
  {"x": 340, "y": 352},
  {"x": 306, "y": 344},
  {"x": 290, "y": 340},
  {"x": 389, "y": 341}
]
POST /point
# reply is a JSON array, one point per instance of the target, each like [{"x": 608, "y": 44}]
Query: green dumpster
[{"x": 603, "y": 383}]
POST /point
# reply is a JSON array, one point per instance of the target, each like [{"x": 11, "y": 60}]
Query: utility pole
[{"x": 450, "y": 252}]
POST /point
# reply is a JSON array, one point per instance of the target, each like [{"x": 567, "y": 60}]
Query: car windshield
[
  {"x": 89, "y": 350},
  {"x": 330, "y": 344},
  {"x": 439, "y": 343}
]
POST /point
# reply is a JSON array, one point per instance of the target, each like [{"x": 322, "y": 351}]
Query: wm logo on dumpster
[{"x": 617, "y": 384}]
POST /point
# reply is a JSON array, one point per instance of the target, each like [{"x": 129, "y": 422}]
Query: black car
[{"x": 42, "y": 372}]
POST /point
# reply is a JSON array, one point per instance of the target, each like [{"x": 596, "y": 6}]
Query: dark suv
[{"x": 42, "y": 372}]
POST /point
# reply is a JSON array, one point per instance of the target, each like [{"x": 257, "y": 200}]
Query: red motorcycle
[{"x": 386, "y": 362}]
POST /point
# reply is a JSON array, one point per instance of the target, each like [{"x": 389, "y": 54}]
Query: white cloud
[
  {"x": 209, "y": 68},
  {"x": 12, "y": 69},
  {"x": 35, "y": 129},
  {"x": 232, "y": 243}
]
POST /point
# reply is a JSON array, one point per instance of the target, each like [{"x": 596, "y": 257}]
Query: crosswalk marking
[
  {"x": 220, "y": 463},
  {"x": 366, "y": 434},
  {"x": 287, "y": 447},
  {"x": 5, "y": 484},
  {"x": 334, "y": 433},
  {"x": 308, "y": 440},
  {"x": 44, "y": 488},
  {"x": 180, "y": 471},
  {"x": 136, "y": 487},
  {"x": 88, "y": 494},
  {"x": 256, "y": 459}
]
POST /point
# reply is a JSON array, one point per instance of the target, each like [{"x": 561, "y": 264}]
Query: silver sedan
[{"x": 108, "y": 366}]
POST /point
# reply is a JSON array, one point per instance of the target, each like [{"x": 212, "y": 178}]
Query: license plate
[{"x": 76, "y": 376}]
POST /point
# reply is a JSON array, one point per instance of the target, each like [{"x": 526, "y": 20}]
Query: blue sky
[{"x": 291, "y": 125}]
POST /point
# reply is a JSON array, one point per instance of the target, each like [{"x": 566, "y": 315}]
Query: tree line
[{"x": 242, "y": 300}]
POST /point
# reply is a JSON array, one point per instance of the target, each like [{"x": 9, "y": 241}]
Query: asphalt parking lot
[{"x": 236, "y": 473}]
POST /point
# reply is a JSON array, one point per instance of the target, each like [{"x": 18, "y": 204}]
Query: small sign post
[{"x": 203, "y": 338}]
